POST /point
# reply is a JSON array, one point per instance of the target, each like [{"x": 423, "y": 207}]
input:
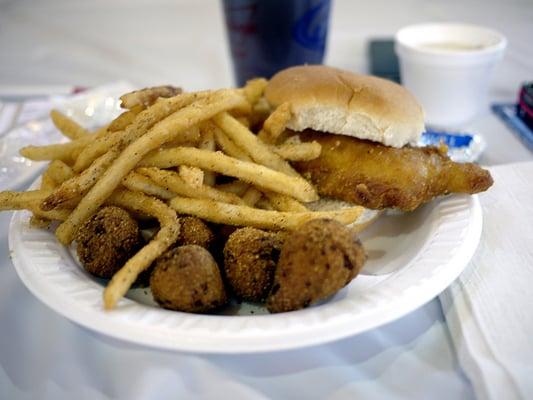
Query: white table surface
[{"x": 60, "y": 43}]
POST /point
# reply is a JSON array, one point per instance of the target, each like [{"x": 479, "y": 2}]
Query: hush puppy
[
  {"x": 107, "y": 240},
  {"x": 250, "y": 257},
  {"x": 187, "y": 278},
  {"x": 316, "y": 261},
  {"x": 195, "y": 231}
]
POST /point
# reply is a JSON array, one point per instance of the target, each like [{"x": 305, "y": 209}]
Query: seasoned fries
[
  {"x": 232, "y": 214},
  {"x": 192, "y": 176},
  {"x": 123, "y": 120},
  {"x": 256, "y": 149},
  {"x": 255, "y": 174},
  {"x": 207, "y": 142},
  {"x": 62, "y": 151},
  {"x": 176, "y": 184},
  {"x": 59, "y": 171},
  {"x": 277, "y": 121},
  {"x": 236, "y": 187},
  {"x": 254, "y": 89},
  {"x": 140, "y": 183},
  {"x": 22, "y": 200},
  {"x": 164, "y": 131},
  {"x": 67, "y": 126},
  {"x": 79, "y": 185},
  {"x": 251, "y": 196},
  {"x": 140, "y": 125},
  {"x": 284, "y": 203},
  {"x": 171, "y": 153},
  {"x": 227, "y": 145},
  {"x": 298, "y": 151}
]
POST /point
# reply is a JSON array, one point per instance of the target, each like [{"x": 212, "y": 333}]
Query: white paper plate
[
  {"x": 91, "y": 109},
  {"x": 417, "y": 255}
]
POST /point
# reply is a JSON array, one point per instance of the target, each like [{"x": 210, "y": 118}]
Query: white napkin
[{"x": 489, "y": 309}]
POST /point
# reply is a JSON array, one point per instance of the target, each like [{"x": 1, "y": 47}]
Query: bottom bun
[{"x": 327, "y": 204}]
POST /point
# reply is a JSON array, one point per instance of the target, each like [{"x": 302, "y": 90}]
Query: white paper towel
[{"x": 489, "y": 309}]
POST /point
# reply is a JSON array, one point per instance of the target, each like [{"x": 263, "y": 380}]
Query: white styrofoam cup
[{"x": 447, "y": 67}]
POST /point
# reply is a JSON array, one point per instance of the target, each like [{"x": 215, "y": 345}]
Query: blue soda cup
[{"x": 267, "y": 36}]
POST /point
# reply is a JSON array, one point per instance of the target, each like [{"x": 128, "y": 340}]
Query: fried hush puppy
[
  {"x": 250, "y": 258},
  {"x": 315, "y": 262},
  {"x": 195, "y": 231},
  {"x": 187, "y": 278},
  {"x": 107, "y": 240}
]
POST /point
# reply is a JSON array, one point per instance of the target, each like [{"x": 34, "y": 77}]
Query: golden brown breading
[
  {"x": 107, "y": 240},
  {"x": 316, "y": 261},
  {"x": 194, "y": 231},
  {"x": 377, "y": 176},
  {"x": 187, "y": 278},
  {"x": 250, "y": 257}
]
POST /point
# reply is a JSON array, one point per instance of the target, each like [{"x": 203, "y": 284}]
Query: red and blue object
[
  {"x": 266, "y": 36},
  {"x": 524, "y": 109},
  {"x": 519, "y": 116}
]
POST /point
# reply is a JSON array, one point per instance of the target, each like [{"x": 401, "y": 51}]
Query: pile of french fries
[{"x": 163, "y": 157}]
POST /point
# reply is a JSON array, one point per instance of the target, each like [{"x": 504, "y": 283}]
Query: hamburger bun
[{"x": 331, "y": 100}]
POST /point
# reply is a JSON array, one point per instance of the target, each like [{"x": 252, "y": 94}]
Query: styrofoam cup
[{"x": 447, "y": 66}]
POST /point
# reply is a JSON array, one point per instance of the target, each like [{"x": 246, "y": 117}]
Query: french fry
[
  {"x": 231, "y": 214},
  {"x": 277, "y": 121},
  {"x": 47, "y": 182},
  {"x": 97, "y": 148},
  {"x": 56, "y": 173},
  {"x": 80, "y": 184},
  {"x": 141, "y": 183},
  {"x": 251, "y": 196},
  {"x": 30, "y": 200},
  {"x": 126, "y": 118},
  {"x": 227, "y": 145},
  {"x": 260, "y": 112},
  {"x": 259, "y": 151},
  {"x": 207, "y": 142},
  {"x": 61, "y": 151},
  {"x": 59, "y": 171},
  {"x": 102, "y": 131},
  {"x": 188, "y": 138},
  {"x": 281, "y": 202},
  {"x": 298, "y": 152},
  {"x": 236, "y": 187},
  {"x": 255, "y": 174},
  {"x": 48, "y": 216},
  {"x": 22, "y": 200},
  {"x": 164, "y": 131},
  {"x": 146, "y": 97},
  {"x": 264, "y": 204},
  {"x": 144, "y": 121},
  {"x": 254, "y": 89},
  {"x": 165, "y": 237},
  {"x": 39, "y": 222},
  {"x": 173, "y": 182},
  {"x": 68, "y": 126},
  {"x": 192, "y": 176},
  {"x": 244, "y": 121},
  {"x": 66, "y": 152}
]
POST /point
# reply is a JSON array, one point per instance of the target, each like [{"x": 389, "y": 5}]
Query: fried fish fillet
[{"x": 377, "y": 176}]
